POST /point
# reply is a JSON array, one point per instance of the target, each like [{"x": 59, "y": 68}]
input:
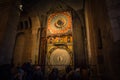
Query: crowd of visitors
[{"x": 30, "y": 72}]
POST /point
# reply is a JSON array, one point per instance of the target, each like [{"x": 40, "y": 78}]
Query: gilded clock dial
[
  {"x": 59, "y": 22},
  {"x": 60, "y": 57}
]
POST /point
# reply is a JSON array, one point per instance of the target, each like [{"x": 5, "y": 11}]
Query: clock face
[
  {"x": 59, "y": 58},
  {"x": 59, "y": 22}
]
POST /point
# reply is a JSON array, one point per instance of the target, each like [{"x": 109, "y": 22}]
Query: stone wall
[
  {"x": 113, "y": 7},
  {"x": 29, "y": 25},
  {"x": 9, "y": 20}
]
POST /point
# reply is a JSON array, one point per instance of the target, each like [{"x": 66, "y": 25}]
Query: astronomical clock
[
  {"x": 59, "y": 23},
  {"x": 59, "y": 41}
]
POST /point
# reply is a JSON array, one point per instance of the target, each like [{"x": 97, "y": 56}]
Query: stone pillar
[
  {"x": 78, "y": 41},
  {"x": 35, "y": 38},
  {"x": 99, "y": 37}
]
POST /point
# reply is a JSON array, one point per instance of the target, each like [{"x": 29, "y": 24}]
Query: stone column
[{"x": 35, "y": 38}]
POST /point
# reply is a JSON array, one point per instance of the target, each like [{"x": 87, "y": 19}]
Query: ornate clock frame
[{"x": 59, "y": 36}]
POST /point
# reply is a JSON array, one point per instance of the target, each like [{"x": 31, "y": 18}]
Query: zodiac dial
[{"x": 59, "y": 22}]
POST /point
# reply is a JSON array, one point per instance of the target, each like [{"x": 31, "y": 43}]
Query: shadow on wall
[{"x": 115, "y": 60}]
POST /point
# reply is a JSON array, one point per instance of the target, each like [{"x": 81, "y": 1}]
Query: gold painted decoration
[
  {"x": 62, "y": 39},
  {"x": 59, "y": 23}
]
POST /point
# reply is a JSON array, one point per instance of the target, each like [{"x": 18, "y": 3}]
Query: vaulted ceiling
[{"x": 75, "y": 4}]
